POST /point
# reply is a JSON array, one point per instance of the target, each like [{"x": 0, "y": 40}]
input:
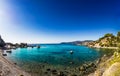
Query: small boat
[{"x": 71, "y": 52}]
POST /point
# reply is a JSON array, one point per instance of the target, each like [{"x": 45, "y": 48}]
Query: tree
[
  {"x": 118, "y": 45},
  {"x": 118, "y": 36},
  {"x": 108, "y": 35}
]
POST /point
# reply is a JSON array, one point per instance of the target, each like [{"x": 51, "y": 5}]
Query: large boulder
[{"x": 2, "y": 42}]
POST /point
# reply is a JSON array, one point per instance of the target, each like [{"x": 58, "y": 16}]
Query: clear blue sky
[{"x": 49, "y": 21}]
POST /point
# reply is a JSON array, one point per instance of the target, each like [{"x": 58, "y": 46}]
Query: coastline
[
  {"x": 84, "y": 69},
  {"x": 8, "y": 68},
  {"x": 98, "y": 47}
]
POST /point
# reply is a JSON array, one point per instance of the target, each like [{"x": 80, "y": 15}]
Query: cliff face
[{"x": 2, "y": 42}]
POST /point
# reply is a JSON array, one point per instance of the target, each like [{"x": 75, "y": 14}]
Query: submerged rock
[
  {"x": 38, "y": 47},
  {"x": 71, "y": 62},
  {"x": 9, "y": 51},
  {"x": 60, "y": 73},
  {"x": 73, "y": 75},
  {"x": 46, "y": 72},
  {"x": 48, "y": 69},
  {"x": 82, "y": 68},
  {"x": 54, "y": 71}
]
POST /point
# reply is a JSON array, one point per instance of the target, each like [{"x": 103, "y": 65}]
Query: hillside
[
  {"x": 109, "y": 66},
  {"x": 108, "y": 40}
]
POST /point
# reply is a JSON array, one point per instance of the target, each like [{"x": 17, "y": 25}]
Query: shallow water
[{"x": 54, "y": 55}]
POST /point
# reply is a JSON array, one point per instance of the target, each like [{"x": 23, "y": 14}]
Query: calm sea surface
[{"x": 54, "y": 55}]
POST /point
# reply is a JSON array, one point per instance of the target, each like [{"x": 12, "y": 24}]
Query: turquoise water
[{"x": 54, "y": 54}]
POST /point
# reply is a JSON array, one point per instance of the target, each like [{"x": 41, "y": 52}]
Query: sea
[{"x": 58, "y": 56}]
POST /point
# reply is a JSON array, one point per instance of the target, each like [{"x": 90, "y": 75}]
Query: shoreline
[
  {"x": 9, "y": 68},
  {"x": 84, "y": 69},
  {"x": 45, "y": 70},
  {"x": 98, "y": 47}
]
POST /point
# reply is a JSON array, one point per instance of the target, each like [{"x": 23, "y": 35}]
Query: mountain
[{"x": 78, "y": 42}]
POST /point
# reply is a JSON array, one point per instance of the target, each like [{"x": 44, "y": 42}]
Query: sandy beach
[{"x": 8, "y": 68}]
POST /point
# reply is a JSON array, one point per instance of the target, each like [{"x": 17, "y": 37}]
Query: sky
[{"x": 54, "y": 21}]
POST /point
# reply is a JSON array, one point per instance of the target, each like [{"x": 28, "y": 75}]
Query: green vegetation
[
  {"x": 118, "y": 36},
  {"x": 109, "y": 40},
  {"x": 116, "y": 56},
  {"x": 108, "y": 35},
  {"x": 112, "y": 65}
]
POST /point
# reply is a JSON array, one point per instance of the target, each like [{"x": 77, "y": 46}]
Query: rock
[
  {"x": 38, "y": 47},
  {"x": 98, "y": 61},
  {"x": 86, "y": 65},
  {"x": 46, "y": 72},
  {"x": 2, "y": 42},
  {"x": 97, "y": 73},
  {"x": 15, "y": 63},
  {"x": 9, "y": 51},
  {"x": 4, "y": 54},
  {"x": 82, "y": 68},
  {"x": 23, "y": 45},
  {"x": 54, "y": 71},
  {"x": 60, "y": 74},
  {"x": 74, "y": 75},
  {"x": 48, "y": 69},
  {"x": 91, "y": 64},
  {"x": 71, "y": 62}
]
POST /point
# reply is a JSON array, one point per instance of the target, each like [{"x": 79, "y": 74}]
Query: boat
[{"x": 71, "y": 52}]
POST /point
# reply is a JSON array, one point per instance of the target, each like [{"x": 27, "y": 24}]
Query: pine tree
[{"x": 118, "y": 36}]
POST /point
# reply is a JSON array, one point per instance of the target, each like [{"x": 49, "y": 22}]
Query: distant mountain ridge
[{"x": 78, "y": 42}]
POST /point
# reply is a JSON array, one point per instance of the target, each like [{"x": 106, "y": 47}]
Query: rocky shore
[
  {"x": 48, "y": 70},
  {"x": 8, "y": 68}
]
